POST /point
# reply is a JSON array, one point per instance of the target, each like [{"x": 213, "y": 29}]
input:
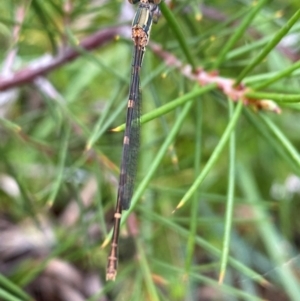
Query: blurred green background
[{"x": 235, "y": 167}]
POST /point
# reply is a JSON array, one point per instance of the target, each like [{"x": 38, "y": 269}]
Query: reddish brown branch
[
  {"x": 226, "y": 85},
  {"x": 33, "y": 71}
]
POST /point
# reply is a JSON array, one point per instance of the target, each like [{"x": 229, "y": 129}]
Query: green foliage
[{"x": 214, "y": 215}]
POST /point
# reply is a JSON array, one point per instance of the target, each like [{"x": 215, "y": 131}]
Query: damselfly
[{"x": 141, "y": 27}]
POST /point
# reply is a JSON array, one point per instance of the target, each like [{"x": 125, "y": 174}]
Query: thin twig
[
  {"x": 31, "y": 72},
  {"x": 226, "y": 85}
]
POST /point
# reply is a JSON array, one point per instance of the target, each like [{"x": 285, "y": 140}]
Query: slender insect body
[
  {"x": 130, "y": 103},
  {"x": 111, "y": 270},
  {"x": 141, "y": 27}
]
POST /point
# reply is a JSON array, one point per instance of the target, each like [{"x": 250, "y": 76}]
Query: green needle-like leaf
[
  {"x": 230, "y": 201},
  {"x": 280, "y": 98},
  {"x": 172, "y": 105},
  {"x": 240, "y": 30},
  {"x": 214, "y": 156},
  {"x": 173, "y": 24},
  {"x": 271, "y": 45}
]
